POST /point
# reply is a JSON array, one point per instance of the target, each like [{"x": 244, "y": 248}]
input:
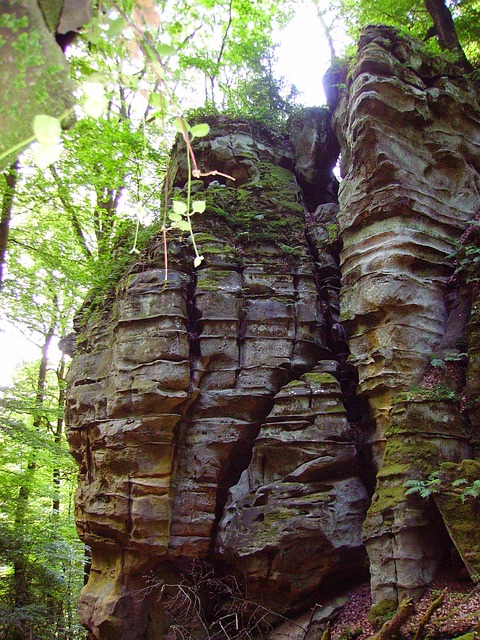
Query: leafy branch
[{"x": 433, "y": 485}]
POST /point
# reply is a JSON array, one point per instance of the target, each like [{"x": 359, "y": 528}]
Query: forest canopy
[{"x": 101, "y": 92}]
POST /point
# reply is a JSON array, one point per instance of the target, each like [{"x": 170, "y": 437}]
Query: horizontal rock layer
[
  {"x": 295, "y": 515},
  {"x": 410, "y": 145}
]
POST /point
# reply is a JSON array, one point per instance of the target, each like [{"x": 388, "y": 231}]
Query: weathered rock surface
[
  {"x": 295, "y": 516},
  {"x": 403, "y": 534},
  {"x": 410, "y": 154},
  {"x": 179, "y": 377},
  {"x": 410, "y": 145},
  {"x": 214, "y": 412},
  {"x": 457, "y": 503}
]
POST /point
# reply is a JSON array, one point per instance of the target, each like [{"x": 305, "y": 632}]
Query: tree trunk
[
  {"x": 445, "y": 30},
  {"x": 71, "y": 211},
  {"x": 7, "y": 205},
  {"x": 58, "y": 435},
  {"x": 20, "y": 563}
]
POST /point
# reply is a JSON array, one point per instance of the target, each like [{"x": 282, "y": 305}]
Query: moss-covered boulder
[{"x": 404, "y": 535}]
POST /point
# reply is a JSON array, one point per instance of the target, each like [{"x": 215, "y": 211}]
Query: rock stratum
[{"x": 252, "y": 422}]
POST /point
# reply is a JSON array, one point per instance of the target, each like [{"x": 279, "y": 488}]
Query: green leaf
[
  {"x": 200, "y": 130},
  {"x": 157, "y": 101},
  {"x": 129, "y": 81},
  {"x": 179, "y": 207},
  {"x": 97, "y": 76},
  {"x": 93, "y": 32},
  {"x": 45, "y": 155},
  {"x": 96, "y": 101},
  {"x": 198, "y": 206},
  {"x": 175, "y": 217},
  {"x": 115, "y": 27},
  {"x": 183, "y": 225},
  {"x": 47, "y": 130},
  {"x": 198, "y": 261},
  {"x": 159, "y": 104},
  {"x": 177, "y": 123},
  {"x": 165, "y": 50}
]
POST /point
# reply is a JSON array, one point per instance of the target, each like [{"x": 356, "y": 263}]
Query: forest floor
[{"x": 458, "y": 614}]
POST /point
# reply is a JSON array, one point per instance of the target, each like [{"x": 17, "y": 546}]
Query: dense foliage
[{"x": 76, "y": 208}]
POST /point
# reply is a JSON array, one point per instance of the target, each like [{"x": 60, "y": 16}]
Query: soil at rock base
[{"x": 458, "y": 615}]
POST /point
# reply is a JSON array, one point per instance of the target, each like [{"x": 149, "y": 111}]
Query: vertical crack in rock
[
  {"x": 323, "y": 239},
  {"x": 316, "y": 153},
  {"x": 284, "y": 524},
  {"x": 246, "y": 303}
]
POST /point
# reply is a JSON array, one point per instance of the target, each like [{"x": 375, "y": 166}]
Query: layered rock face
[
  {"x": 410, "y": 142},
  {"x": 410, "y": 156},
  {"x": 295, "y": 516},
  {"x": 214, "y": 412},
  {"x": 187, "y": 372}
]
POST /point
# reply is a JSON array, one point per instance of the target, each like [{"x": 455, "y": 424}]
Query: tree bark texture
[
  {"x": 445, "y": 30},
  {"x": 11, "y": 177}
]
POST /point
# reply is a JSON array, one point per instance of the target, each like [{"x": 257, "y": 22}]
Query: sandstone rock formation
[
  {"x": 214, "y": 412},
  {"x": 405, "y": 201},
  {"x": 295, "y": 516},
  {"x": 181, "y": 378}
]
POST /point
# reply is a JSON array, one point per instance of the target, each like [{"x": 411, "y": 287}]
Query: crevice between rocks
[{"x": 328, "y": 278}]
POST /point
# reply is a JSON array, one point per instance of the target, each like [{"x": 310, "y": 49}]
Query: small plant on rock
[{"x": 425, "y": 488}]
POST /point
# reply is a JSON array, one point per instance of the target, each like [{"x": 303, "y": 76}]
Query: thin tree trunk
[
  {"x": 11, "y": 178},
  {"x": 326, "y": 30},
  {"x": 58, "y": 434},
  {"x": 20, "y": 564},
  {"x": 70, "y": 209},
  {"x": 445, "y": 30},
  {"x": 104, "y": 217}
]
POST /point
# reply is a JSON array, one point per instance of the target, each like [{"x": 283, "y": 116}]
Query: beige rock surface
[
  {"x": 410, "y": 151},
  {"x": 175, "y": 382},
  {"x": 410, "y": 144}
]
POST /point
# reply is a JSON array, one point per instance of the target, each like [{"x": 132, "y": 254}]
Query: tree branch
[
  {"x": 391, "y": 628},
  {"x": 445, "y": 30},
  {"x": 68, "y": 206},
  {"x": 428, "y": 614}
]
